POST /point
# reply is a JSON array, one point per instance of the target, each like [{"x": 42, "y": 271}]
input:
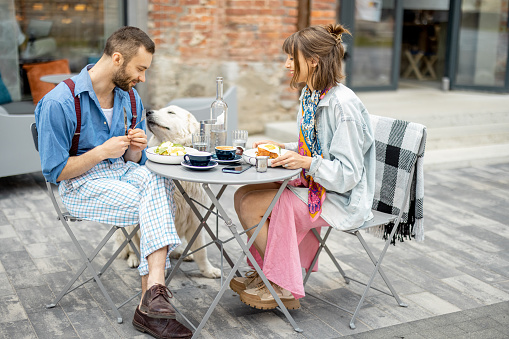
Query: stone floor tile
[
  {"x": 20, "y": 260},
  {"x": 21, "y": 329},
  {"x": 35, "y": 299},
  {"x": 335, "y": 318},
  {"x": 5, "y": 285},
  {"x": 47, "y": 218},
  {"x": 273, "y": 326},
  {"x": 40, "y": 250},
  {"x": 477, "y": 289},
  {"x": 85, "y": 319},
  {"x": 11, "y": 245},
  {"x": 51, "y": 265},
  {"x": 104, "y": 333},
  {"x": 7, "y": 231},
  {"x": 14, "y": 212},
  {"x": 25, "y": 278},
  {"x": 58, "y": 234},
  {"x": 489, "y": 333},
  {"x": 52, "y": 323},
  {"x": 11, "y": 309},
  {"x": 432, "y": 303},
  {"x": 3, "y": 219},
  {"x": 78, "y": 300},
  {"x": 25, "y": 224},
  {"x": 34, "y": 236}
]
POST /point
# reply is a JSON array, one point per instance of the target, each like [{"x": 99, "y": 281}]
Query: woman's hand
[
  {"x": 256, "y": 143},
  {"x": 292, "y": 160}
]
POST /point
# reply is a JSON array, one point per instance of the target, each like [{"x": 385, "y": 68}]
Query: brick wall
[
  {"x": 323, "y": 12},
  {"x": 197, "y": 40}
]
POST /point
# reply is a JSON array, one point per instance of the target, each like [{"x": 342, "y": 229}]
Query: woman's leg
[{"x": 251, "y": 203}]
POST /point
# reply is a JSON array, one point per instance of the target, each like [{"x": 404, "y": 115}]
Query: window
[{"x": 44, "y": 30}]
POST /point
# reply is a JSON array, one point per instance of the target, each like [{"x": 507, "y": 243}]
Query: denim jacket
[{"x": 347, "y": 169}]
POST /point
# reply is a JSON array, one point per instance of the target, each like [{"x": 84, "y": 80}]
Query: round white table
[
  {"x": 57, "y": 78},
  {"x": 216, "y": 176}
]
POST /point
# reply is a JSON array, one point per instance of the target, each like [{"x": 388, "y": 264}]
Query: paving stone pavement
[{"x": 456, "y": 282}]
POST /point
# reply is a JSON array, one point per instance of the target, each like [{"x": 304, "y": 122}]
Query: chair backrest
[
  {"x": 200, "y": 106},
  {"x": 35, "y": 135},
  {"x": 399, "y": 172}
]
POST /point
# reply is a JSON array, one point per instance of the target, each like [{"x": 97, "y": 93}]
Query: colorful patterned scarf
[{"x": 310, "y": 146}]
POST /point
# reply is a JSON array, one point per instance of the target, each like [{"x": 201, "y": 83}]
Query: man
[{"x": 101, "y": 176}]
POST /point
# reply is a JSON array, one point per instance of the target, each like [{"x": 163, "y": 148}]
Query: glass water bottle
[{"x": 219, "y": 113}]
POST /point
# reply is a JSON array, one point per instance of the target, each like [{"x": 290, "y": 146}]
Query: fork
[
  {"x": 125, "y": 121},
  {"x": 143, "y": 116}
]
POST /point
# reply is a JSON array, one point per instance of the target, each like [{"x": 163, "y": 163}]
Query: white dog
[{"x": 175, "y": 124}]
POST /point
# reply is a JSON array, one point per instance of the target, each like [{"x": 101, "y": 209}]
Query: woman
[{"x": 337, "y": 155}]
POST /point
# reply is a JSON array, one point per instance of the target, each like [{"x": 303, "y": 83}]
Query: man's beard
[{"x": 121, "y": 80}]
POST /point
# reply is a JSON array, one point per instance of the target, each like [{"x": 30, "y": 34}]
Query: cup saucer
[
  {"x": 211, "y": 164},
  {"x": 226, "y": 162}
]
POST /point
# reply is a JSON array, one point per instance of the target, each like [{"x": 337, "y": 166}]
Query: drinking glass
[
  {"x": 200, "y": 142},
  {"x": 239, "y": 137}
]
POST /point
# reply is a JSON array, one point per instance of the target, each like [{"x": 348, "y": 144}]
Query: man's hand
[
  {"x": 137, "y": 139},
  {"x": 114, "y": 147},
  {"x": 137, "y": 143},
  {"x": 292, "y": 160},
  {"x": 111, "y": 148}
]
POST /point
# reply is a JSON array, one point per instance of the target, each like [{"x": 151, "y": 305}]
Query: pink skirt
[{"x": 291, "y": 245}]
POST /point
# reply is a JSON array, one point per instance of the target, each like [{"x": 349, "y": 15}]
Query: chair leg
[
  {"x": 380, "y": 270},
  {"x": 95, "y": 275},
  {"x": 324, "y": 246},
  {"x": 129, "y": 239},
  {"x": 373, "y": 275}
]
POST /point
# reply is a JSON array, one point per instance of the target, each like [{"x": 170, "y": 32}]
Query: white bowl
[
  {"x": 167, "y": 159},
  {"x": 249, "y": 156}
]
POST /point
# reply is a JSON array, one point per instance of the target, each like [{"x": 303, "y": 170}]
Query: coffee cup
[
  {"x": 199, "y": 159},
  {"x": 225, "y": 152}
]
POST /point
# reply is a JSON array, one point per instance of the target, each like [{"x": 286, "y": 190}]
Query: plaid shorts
[{"x": 124, "y": 194}]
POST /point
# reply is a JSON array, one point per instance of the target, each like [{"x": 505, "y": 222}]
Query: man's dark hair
[{"x": 127, "y": 40}]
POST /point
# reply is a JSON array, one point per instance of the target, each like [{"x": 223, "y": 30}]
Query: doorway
[
  {"x": 424, "y": 43},
  {"x": 480, "y": 45}
]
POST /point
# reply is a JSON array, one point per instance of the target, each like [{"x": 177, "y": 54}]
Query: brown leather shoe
[
  {"x": 160, "y": 328},
  {"x": 156, "y": 303}
]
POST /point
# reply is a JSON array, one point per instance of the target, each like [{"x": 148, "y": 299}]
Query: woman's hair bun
[{"x": 336, "y": 31}]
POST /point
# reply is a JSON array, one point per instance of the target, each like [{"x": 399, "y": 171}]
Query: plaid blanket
[{"x": 397, "y": 148}]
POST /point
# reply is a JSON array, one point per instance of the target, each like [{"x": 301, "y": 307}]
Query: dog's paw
[
  {"x": 212, "y": 272},
  {"x": 132, "y": 261},
  {"x": 176, "y": 254}
]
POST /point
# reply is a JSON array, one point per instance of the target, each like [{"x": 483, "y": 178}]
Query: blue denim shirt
[
  {"x": 347, "y": 169},
  {"x": 55, "y": 117}
]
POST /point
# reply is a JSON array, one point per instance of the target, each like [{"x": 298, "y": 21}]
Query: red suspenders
[{"x": 76, "y": 138}]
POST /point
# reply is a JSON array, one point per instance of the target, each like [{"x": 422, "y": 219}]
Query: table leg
[
  {"x": 414, "y": 61},
  {"x": 203, "y": 224},
  {"x": 245, "y": 249}
]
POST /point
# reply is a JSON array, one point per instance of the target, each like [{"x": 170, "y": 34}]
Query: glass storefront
[
  {"x": 34, "y": 31},
  {"x": 483, "y": 43},
  {"x": 373, "y": 43}
]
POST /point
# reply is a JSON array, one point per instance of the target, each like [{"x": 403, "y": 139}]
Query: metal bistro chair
[
  {"x": 397, "y": 156},
  {"x": 200, "y": 106},
  {"x": 65, "y": 217}
]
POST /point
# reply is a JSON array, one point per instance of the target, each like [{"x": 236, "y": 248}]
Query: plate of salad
[{"x": 168, "y": 153}]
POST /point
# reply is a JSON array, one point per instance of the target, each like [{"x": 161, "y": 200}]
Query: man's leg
[{"x": 156, "y": 263}]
